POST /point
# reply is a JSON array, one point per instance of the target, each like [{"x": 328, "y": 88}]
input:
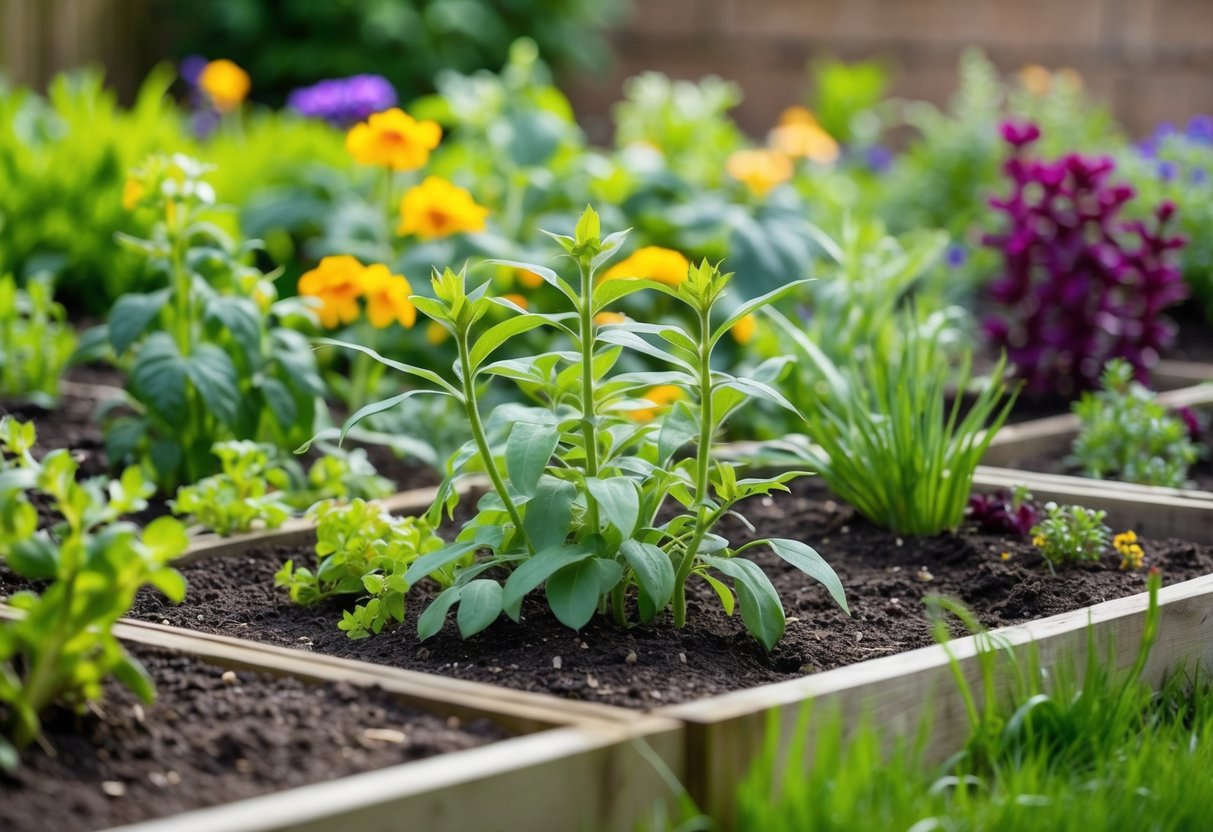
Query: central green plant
[{"x": 590, "y": 496}]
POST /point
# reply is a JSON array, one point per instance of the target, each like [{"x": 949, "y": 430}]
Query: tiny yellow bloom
[
  {"x": 393, "y": 139},
  {"x": 665, "y": 265},
  {"x": 1069, "y": 78},
  {"x": 132, "y": 192},
  {"x": 517, "y": 300},
  {"x": 743, "y": 331},
  {"x": 387, "y": 297},
  {"x": 807, "y": 140},
  {"x": 438, "y": 208},
  {"x": 1132, "y": 556},
  {"x": 608, "y": 318},
  {"x": 760, "y": 170},
  {"x": 662, "y": 396},
  {"x": 1036, "y": 79},
  {"x": 225, "y": 84},
  {"x": 1005, "y": 555},
  {"x": 1039, "y": 541},
  {"x": 797, "y": 114},
  {"x": 337, "y": 283},
  {"x": 528, "y": 279},
  {"x": 436, "y": 333}
]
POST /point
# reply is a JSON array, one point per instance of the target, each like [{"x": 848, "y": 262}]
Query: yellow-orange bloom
[
  {"x": 743, "y": 331},
  {"x": 387, "y": 297},
  {"x": 438, "y": 208},
  {"x": 799, "y": 135},
  {"x": 393, "y": 139},
  {"x": 517, "y": 300},
  {"x": 224, "y": 83},
  {"x": 759, "y": 170},
  {"x": 608, "y": 318},
  {"x": 436, "y": 333},
  {"x": 132, "y": 192},
  {"x": 1036, "y": 79},
  {"x": 665, "y": 265},
  {"x": 528, "y": 278},
  {"x": 337, "y": 283},
  {"x": 662, "y": 396}
]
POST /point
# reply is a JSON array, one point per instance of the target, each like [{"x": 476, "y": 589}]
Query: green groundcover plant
[
  {"x": 63, "y": 650},
  {"x": 36, "y": 341},
  {"x": 582, "y": 493}
]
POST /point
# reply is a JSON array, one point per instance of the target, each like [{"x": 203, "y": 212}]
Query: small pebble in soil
[
  {"x": 228, "y": 677},
  {"x": 631, "y": 657},
  {"x": 453, "y": 723},
  {"x": 682, "y": 657},
  {"x": 924, "y": 575},
  {"x": 591, "y": 680},
  {"x": 158, "y": 780},
  {"x": 556, "y": 662},
  {"x": 900, "y": 542},
  {"x": 389, "y": 735},
  {"x": 113, "y": 788}
]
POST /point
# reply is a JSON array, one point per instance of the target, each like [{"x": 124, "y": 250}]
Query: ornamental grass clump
[
  {"x": 599, "y": 509},
  {"x": 1128, "y": 435},
  {"x": 1079, "y": 285}
]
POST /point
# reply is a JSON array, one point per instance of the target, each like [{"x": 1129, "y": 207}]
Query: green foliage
[
  {"x": 206, "y": 359},
  {"x": 63, "y": 649},
  {"x": 578, "y": 486},
  {"x": 289, "y": 43},
  {"x": 1070, "y": 748},
  {"x": 256, "y": 486},
  {"x": 362, "y": 550},
  {"x": 1127, "y": 434},
  {"x": 36, "y": 341},
  {"x": 885, "y": 438},
  {"x": 1071, "y": 534},
  {"x": 846, "y": 97},
  {"x": 63, "y": 161}
]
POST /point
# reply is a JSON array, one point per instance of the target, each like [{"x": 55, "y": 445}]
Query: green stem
[
  {"x": 703, "y": 461},
  {"x": 387, "y": 204},
  {"x": 482, "y": 441},
  {"x": 588, "y": 419}
]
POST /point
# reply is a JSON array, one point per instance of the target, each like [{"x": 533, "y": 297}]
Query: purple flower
[
  {"x": 191, "y": 67},
  {"x": 879, "y": 158},
  {"x": 344, "y": 101},
  {"x": 1200, "y": 129},
  {"x": 1191, "y": 421},
  {"x": 957, "y": 256},
  {"x": 1079, "y": 284},
  {"x": 1198, "y": 176},
  {"x": 1167, "y": 171}
]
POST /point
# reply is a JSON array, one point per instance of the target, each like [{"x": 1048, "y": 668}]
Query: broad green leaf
[
  {"x": 432, "y": 619},
  {"x": 549, "y": 513},
  {"x": 130, "y": 317},
  {"x": 35, "y": 558},
  {"x": 806, "y": 559},
  {"x": 760, "y": 607},
  {"x": 573, "y": 591},
  {"x": 158, "y": 377},
  {"x": 607, "y": 292},
  {"x": 538, "y": 568},
  {"x": 654, "y": 571},
  {"x": 755, "y": 304},
  {"x": 431, "y": 562},
  {"x": 170, "y": 582},
  {"x": 134, "y": 677},
  {"x": 618, "y": 501},
  {"x": 677, "y": 429},
  {"x": 498, "y": 334},
  {"x": 239, "y": 316},
  {"x": 280, "y": 401},
  {"x": 479, "y": 606},
  {"x": 165, "y": 538},
  {"x": 214, "y": 377},
  {"x": 528, "y": 450},
  {"x": 722, "y": 592},
  {"x": 409, "y": 369}
]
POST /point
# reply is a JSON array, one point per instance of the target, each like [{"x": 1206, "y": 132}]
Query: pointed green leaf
[
  {"x": 573, "y": 591},
  {"x": 528, "y": 450},
  {"x": 618, "y": 500},
  {"x": 479, "y": 606},
  {"x": 756, "y": 304},
  {"x": 806, "y": 559},
  {"x": 549, "y": 513},
  {"x": 432, "y": 619},
  {"x": 538, "y": 568},
  {"x": 761, "y": 609},
  {"x": 654, "y": 572}
]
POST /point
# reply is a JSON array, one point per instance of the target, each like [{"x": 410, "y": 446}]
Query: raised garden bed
[{"x": 261, "y": 740}]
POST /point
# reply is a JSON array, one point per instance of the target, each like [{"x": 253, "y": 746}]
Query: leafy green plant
[
  {"x": 578, "y": 487},
  {"x": 206, "y": 359},
  {"x": 63, "y": 650},
  {"x": 1127, "y": 434},
  {"x": 885, "y": 437},
  {"x": 255, "y": 485},
  {"x": 1071, "y": 534},
  {"x": 36, "y": 341},
  {"x": 363, "y": 550}
]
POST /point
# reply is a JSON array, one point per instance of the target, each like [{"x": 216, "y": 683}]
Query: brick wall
[{"x": 1151, "y": 60}]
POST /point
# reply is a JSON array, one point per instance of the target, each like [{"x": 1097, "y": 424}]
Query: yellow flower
[
  {"x": 337, "y": 283},
  {"x": 387, "y": 297},
  {"x": 1005, "y": 555},
  {"x": 662, "y": 396},
  {"x": 435, "y": 333},
  {"x": 528, "y": 278},
  {"x": 1036, "y": 79},
  {"x": 224, "y": 83},
  {"x": 438, "y": 208},
  {"x": 743, "y": 330},
  {"x": 759, "y": 170},
  {"x": 393, "y": 139},
  {"x": 1132, "y": 556},
  {"x": 797, "y": 114},
  {"x": 653, "y": 262},
  {"x": 517, "y": 300},
  {"x": 805, "y": 139},
  {"x": 132, "y": 192},
  {"x": 608, "y": 318},
  {"x": 1039, "y": 541}
]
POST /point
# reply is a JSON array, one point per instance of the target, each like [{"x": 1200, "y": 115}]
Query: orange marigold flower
[
  {"x": 517, "y": 300},
  {"x": 608, "y": 318},
  {"x": 393, "y": 139},
  {"x": 438, "y": 208},
  {"x": 662, "y": 396},
  {"x": 805, "y": 139},
  {"x": 435, "y": 333},
  {"x": 797, "y": 114},
  {"x": 337, "y": 283},
  {"x": 225, "y": 84},
  {"x": 528, "y": 278},
  {"x": 743, "y": 331},
  {"x": 759, "y": 170},
  {"x": 665, "y": 265},
  {"x": 387, "y": 297}
]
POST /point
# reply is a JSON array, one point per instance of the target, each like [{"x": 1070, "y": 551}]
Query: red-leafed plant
[{"x": 1079, "y": 285}]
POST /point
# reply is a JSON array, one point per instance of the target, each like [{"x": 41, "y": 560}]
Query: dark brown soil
[
  {"x": 207, "y": 741},
  {"x": 886, "y": 578},
  {"x": 1195, "y": 339}
]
